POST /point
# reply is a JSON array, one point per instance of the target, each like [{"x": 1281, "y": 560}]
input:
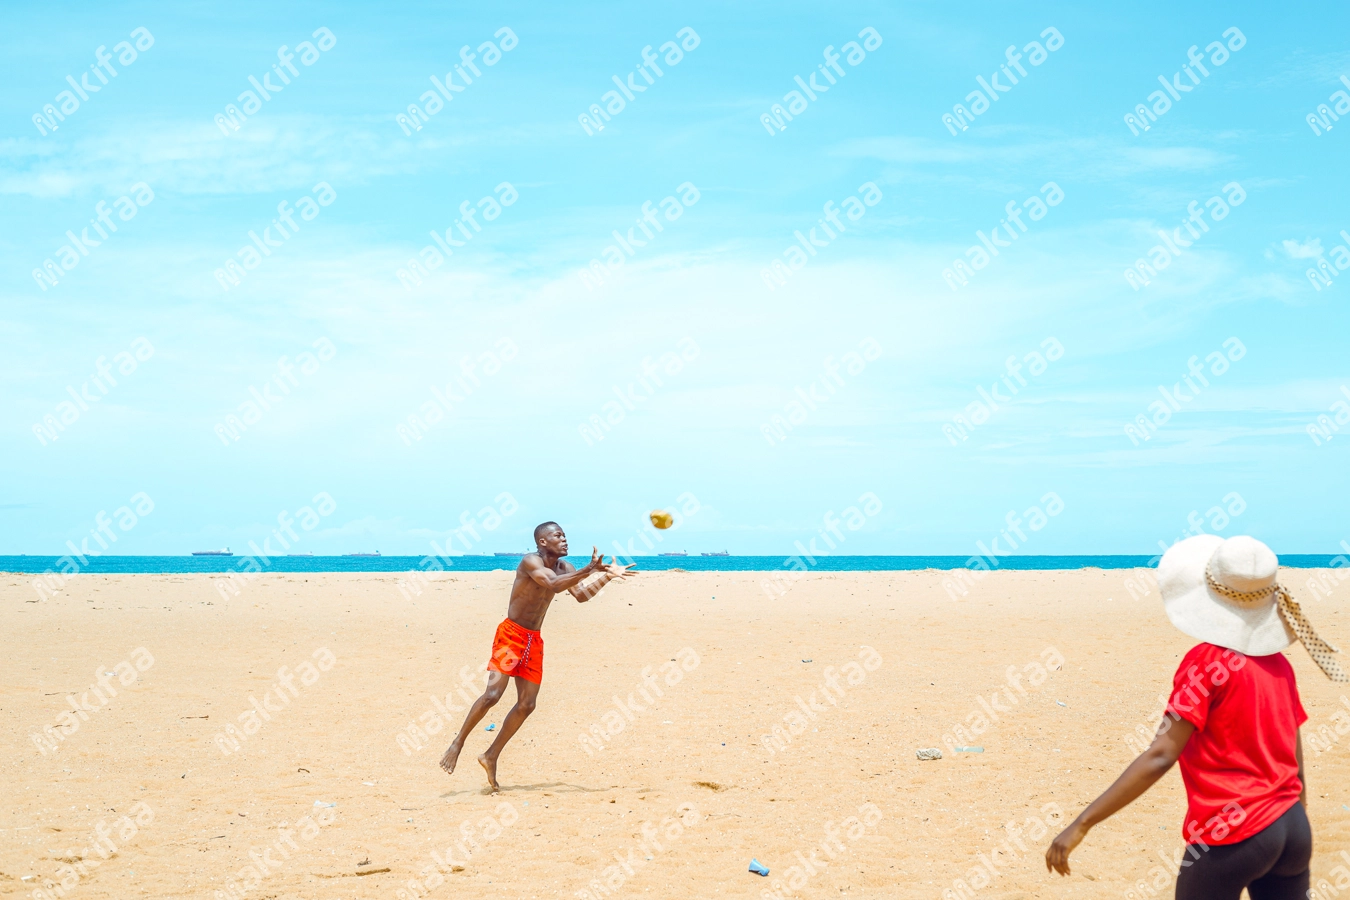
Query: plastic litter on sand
[
  {"x": 492, "y": 726},
  {"x": 758, "y": 868},
  {"x": 968, "y": 749}
]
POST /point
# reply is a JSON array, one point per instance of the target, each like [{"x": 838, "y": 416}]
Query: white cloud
[
  {"x": 267, "y": 155},
  {"x": 1303, "y": 67},
  {"x": 1309, "y": 249},
  {"x": 1103, "y": 158}
]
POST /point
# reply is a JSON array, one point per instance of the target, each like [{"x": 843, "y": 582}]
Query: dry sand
[{"x": 699, "y": 744}]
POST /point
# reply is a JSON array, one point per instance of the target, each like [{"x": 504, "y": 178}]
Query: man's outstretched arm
[
  {"x": 546, "y": 577},
  {"x": 613, "y": 572}
]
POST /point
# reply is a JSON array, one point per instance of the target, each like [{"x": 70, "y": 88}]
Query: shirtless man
[{"x": 518, "y": 648}]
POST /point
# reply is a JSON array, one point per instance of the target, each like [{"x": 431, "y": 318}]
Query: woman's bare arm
[
  {"x": 1138, "y": 777},
  {"x": 1303, "y": 779}
]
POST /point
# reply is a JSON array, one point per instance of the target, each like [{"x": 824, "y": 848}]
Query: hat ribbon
[{"x": 1293, "y": 616}]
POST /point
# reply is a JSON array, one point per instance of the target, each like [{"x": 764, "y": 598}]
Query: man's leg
[
  {"x": 526, "y": 692},
  {"x": 496, "y": 685}
]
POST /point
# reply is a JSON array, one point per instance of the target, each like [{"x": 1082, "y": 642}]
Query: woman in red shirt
[{"x": 1233, "y": 722}]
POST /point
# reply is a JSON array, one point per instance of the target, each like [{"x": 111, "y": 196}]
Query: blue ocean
[{"x": 209, "y": 564}]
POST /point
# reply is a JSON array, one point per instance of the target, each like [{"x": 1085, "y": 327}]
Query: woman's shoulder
[
  {"x": 1275, "y": 664},
  {"x": 1218, "y": 662},
  {"x": 1206, "y": 653}
]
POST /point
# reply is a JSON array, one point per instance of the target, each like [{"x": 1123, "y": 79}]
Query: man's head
[{"x": 549, "y": 536}]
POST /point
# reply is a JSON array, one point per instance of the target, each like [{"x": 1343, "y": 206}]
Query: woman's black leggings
[{"x": 1271, "y": 865}]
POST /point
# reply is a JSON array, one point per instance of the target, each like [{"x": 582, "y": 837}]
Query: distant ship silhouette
[{"x": 225, "y": 552}]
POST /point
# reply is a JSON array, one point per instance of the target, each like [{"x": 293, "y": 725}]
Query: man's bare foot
[
  {"x": 490, "y": 766},
  {"x": 450, "y": 758}
]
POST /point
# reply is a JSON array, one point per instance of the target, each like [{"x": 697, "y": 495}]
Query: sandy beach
[{"x": 855, "y": 671}]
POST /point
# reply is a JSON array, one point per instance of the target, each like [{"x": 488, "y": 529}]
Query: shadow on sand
[{"x": 560, "y": 787}]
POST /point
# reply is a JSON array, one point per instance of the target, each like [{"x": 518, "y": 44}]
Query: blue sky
[{"x": 518, "y": 280}]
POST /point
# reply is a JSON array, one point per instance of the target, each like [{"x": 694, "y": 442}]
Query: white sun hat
[{"x": 1226, "y": 593}]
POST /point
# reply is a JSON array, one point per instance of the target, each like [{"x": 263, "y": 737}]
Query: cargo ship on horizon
[{"x": 225, "y": 552}]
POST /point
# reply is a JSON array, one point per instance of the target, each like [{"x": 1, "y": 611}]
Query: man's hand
[
  {"x": 597, "y": 560},
  {"x": 617, "y": 572},
  {"x": 608, "y": 573}
]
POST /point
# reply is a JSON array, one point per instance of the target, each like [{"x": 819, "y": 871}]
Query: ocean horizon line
[{"x": 219, "y": 564}]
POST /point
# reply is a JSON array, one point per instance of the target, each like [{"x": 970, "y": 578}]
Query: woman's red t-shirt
[{"x": 1240, "y": 766}]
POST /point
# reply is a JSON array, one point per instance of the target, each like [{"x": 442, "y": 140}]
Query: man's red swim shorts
[{"x": 518, "y": 651}]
